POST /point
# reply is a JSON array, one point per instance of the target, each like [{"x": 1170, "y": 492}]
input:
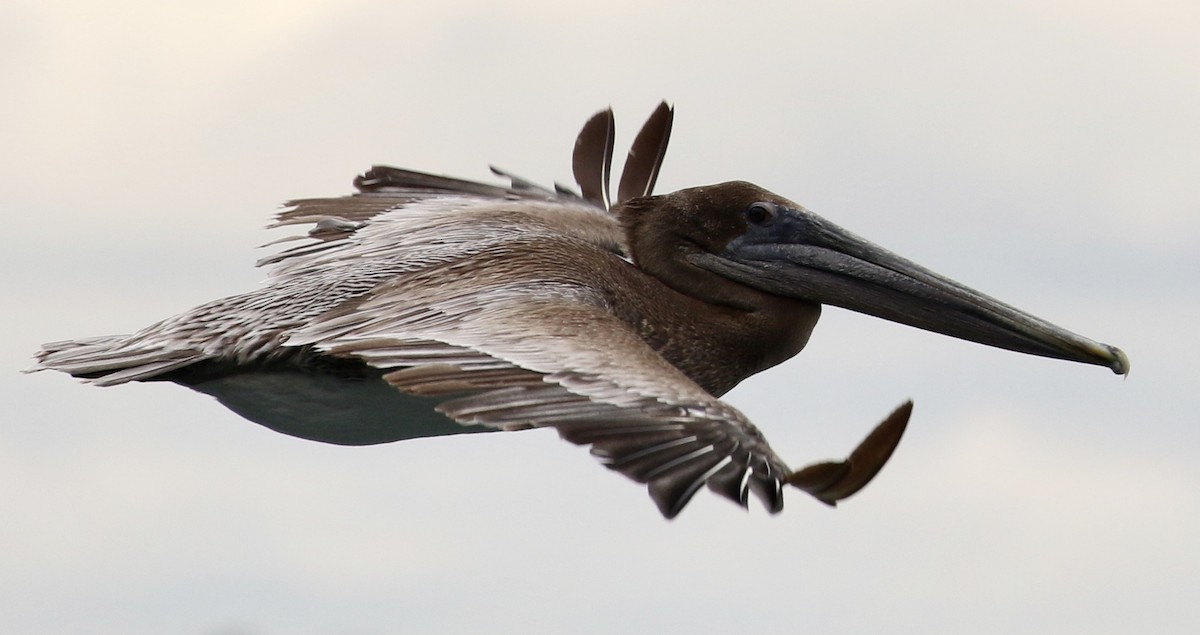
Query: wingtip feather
[
  {"x": 591, "y": 160},
  {"x": 832, "y": 481},
  {"x": 646, "y": 155}
]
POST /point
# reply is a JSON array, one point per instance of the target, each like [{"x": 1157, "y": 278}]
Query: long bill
[{"x": 804, "y": 256}]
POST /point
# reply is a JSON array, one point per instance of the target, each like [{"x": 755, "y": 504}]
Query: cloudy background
[{"x": 1046, "y": 153}]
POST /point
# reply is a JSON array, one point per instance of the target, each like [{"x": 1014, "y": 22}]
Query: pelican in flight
[{"x": 425, "y": 305}]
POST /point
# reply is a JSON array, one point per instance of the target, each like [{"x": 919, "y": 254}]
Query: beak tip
[{"x": 1120, "y": 361}]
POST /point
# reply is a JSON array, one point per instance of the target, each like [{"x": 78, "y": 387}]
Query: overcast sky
[{"x": 1047, "y": 153}]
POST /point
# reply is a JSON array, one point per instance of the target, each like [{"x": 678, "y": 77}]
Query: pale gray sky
[{"x": 1045, "y": 153}]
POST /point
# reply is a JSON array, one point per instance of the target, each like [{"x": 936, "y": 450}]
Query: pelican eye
[{"x": 762, "y": 214}]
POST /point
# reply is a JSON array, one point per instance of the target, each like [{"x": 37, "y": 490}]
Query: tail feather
[{"x": 111, "y": 360}]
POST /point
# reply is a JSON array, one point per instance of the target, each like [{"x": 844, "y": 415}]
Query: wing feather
[
  {"x": 591, "y": 160},
  {"x": 515, "y": 353},
  {"x": 646, "y": 155}
]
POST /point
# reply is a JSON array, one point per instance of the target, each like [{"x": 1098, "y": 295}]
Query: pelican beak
[{"x": 797, "y": 254}]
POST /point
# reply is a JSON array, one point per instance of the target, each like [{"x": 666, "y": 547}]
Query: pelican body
[{"x": 425, "y": 305}]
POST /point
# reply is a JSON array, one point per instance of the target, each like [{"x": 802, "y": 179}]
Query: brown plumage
[
  {"x": 592, "y": 159},
  {"x": 646, "y": 155},
  {"x": 426, "y": 305}
]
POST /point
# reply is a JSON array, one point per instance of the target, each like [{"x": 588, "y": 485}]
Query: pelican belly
[{"x": 331, "y": 409}]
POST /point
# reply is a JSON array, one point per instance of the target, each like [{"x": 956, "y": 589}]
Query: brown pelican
[{"x": 426, "y": 305}]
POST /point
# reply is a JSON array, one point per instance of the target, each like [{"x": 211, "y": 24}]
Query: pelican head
[{"x": 755, "y": 241}]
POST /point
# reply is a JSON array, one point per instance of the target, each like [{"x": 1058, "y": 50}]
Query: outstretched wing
[
  {"x": 399, "y": 222},
  {"x": 522, "y": 351},
  {"x": 497, "y": 302},
  {"x": 508, "y": 317},
  {"x": 495, "y": 307},
  {"x": 485, "y": 299}
]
